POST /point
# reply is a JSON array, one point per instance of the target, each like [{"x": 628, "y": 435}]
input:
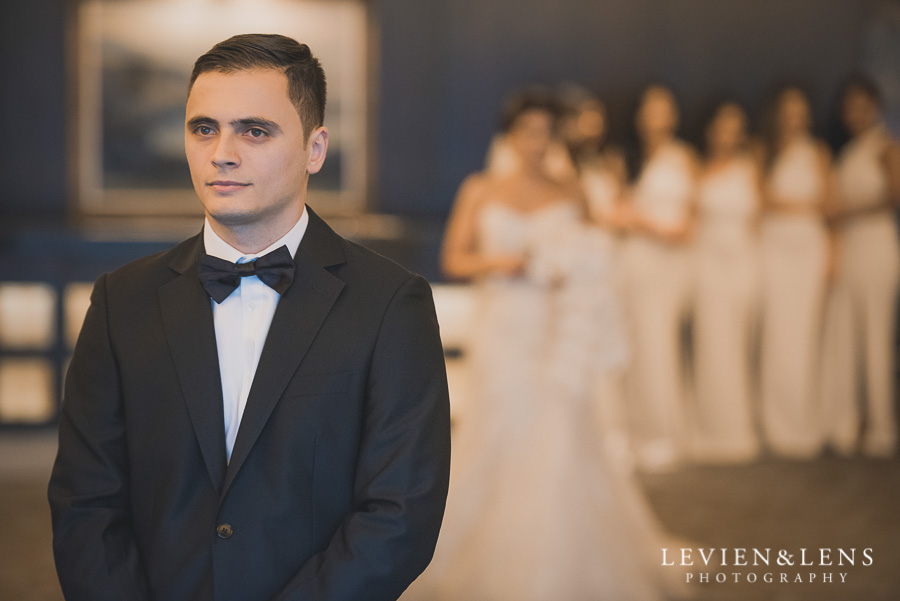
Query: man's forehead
[
  {"x": 245, "y": 84},
  {"x": 237, "y": 94}
]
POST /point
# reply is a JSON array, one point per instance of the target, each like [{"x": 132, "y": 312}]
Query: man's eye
[
  {"x": 256, "y": 132},
  {"x": 204, "y": 130}
]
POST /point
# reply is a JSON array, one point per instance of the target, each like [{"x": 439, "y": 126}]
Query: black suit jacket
[{"x": 337, "y": 482}]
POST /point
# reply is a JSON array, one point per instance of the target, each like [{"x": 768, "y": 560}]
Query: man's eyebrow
[
  {"x": 201, "y": 120},
  {"x": 257, "y": 122}
]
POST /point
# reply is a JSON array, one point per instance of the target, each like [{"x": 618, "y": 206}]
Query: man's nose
[{"x": 225, "y": 153}]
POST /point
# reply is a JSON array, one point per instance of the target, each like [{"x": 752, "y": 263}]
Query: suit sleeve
[
  {"x": 403, "y": 467},
  {"x": 93, "y": 543}
]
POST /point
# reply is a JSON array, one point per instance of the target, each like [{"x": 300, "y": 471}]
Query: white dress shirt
[{"x": 242, "y": 323}]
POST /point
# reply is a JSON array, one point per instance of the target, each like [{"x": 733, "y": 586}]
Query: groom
[{"x": 260, "y": 413}]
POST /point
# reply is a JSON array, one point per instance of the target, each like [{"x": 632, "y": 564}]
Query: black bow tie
[{"x": 220, "y": 278}]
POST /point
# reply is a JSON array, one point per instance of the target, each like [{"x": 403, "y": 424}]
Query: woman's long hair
[
  {"x": 838, "y": 136},
  {"x": 634, "y": 151},
  {"x": 769, "y": 134}
]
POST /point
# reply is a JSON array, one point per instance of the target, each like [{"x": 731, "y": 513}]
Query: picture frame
[{"x": 133, "y": 65}]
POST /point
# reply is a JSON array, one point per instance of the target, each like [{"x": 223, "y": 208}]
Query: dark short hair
[
  {"x": 532, "y": 99},
  {"x": 306, "y": 79}
]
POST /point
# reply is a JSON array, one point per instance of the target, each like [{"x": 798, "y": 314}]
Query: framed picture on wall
[{"x": 133, "y": 66}]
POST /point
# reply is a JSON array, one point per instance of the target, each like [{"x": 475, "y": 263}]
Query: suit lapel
[
  {"x": 301, "y": 312},
  {"x": 188, "y": 325}
]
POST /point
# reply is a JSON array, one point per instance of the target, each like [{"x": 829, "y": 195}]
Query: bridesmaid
[
  {"x": 598, "y": 164},
  {"x": 860, "y": 348},
  {"x": 727, "y": 291},
  {"x": 599, "y": 167},
  {"x": 658, "y": 268},
  {"x": 795, "y": 253}
]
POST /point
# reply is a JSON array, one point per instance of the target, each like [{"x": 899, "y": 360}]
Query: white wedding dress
[{"x": 535, "y": 512}]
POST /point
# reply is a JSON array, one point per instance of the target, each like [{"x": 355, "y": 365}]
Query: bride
[{"x": 535, "y": 512}]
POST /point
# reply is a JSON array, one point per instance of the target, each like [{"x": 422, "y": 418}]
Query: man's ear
[{"x": 318, "y": 148}]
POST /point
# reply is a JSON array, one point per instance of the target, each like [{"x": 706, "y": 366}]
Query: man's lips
[{"x": 224, "y": 185}]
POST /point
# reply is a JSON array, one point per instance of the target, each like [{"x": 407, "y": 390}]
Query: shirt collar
[{"x": 216, "y": 247}]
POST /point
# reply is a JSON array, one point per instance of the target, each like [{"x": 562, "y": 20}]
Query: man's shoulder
[
  {"x": 377, "y": 278},
  {"x": 356, "y": 264},
  {"x": 371, "y": 262},
  {"x": 156, "y": 268}
]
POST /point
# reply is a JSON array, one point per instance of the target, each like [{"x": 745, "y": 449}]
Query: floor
[
  {"x": 26, "y": 562},
  {"x": 829, "y": 503}
]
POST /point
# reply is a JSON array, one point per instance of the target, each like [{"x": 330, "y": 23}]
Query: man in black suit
[{"x": 241, "y": 424}]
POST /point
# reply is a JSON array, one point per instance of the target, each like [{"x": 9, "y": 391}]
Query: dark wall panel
[{"x": 32, "y": 107}]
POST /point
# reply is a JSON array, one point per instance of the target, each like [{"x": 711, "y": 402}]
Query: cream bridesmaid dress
[
  {"x": 794, "y": 252},
  {"x": 859, "y": 350},
  {"x": 658, "y": 282},
  {"x": 725, "y": 312}
]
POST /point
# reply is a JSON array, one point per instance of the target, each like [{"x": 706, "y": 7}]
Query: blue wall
[{"x": 446, "y": 66}]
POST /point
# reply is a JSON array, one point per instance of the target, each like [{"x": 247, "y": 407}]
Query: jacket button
[{"x": 224, "y": 530}]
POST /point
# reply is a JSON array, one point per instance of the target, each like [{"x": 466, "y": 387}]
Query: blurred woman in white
[
  {"x": 534, "y": 513},
  {"x": 795, "y": 252},
  {"x": 599, "y": 167},
  {"x": 860, "y": 344},
  {"x": 727, "y": 291},
  {"x": 658, "y": 269}
]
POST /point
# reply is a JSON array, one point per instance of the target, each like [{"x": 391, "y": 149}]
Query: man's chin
[{"x": 233, "y": 218}]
